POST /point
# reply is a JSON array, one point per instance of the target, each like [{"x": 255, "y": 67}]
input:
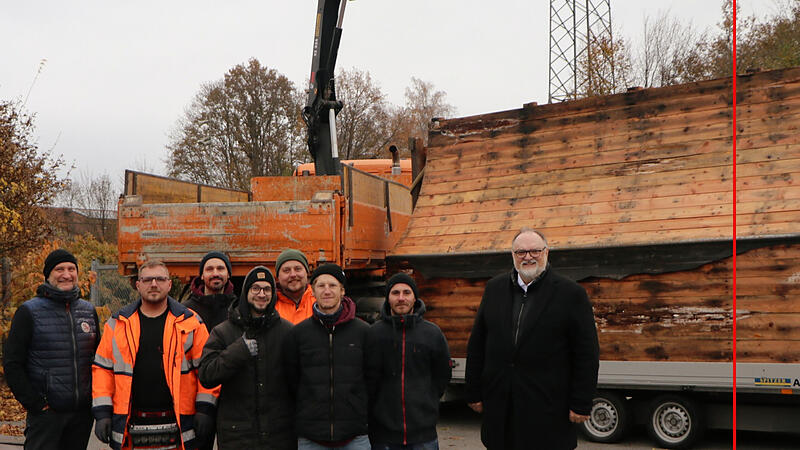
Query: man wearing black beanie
[
  {"x": 211, "y": 292},
  {"x": 53, "y": 336},
  {"x": 242, "y": 355},
  {"x": 329, "y": 392},
  {"x": 407, "y": 371}
]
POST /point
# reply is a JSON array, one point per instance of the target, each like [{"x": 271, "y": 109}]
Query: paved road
[{"x": 459, "y": 428}]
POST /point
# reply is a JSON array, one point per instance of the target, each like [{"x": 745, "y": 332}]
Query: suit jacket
[{"x": 551, "y": 370}]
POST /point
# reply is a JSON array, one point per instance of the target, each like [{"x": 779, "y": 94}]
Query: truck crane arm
[{"x": 321, "y": 107}]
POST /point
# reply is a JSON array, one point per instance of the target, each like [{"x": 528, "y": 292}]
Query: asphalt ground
[{"x": 459, "y": 428}]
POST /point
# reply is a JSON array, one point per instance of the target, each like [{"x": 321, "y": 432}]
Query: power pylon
[{"x": 574, "y": 26}]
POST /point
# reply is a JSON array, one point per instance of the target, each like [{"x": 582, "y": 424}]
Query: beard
[
  {"x": 530, "y": 271},
  {"x": 257, "y": 310}
]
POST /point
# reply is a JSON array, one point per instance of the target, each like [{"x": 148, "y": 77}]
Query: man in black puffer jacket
[
  {"x": 243, "y": 355},
  {"x": 48, "y": 358},
  {"x": 407, "y": 371},
  {"x": 324, "y": 359}
]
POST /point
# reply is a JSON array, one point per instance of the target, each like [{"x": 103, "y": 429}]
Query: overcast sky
[{"x": 117, "y": 76}]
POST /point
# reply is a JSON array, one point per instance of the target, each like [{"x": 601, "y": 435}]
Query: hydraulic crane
[{"x": 321, "y": 107}]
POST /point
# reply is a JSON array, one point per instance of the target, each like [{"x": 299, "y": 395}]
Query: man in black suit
[{"x": 532, "y": 357}]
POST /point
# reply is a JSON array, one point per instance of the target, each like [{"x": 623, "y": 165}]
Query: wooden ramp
[{"x": 635, "y": 195}]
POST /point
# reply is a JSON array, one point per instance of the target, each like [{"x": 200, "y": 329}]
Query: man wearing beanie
[
  {"x": 295, "y": 297},
  {"x": 212, "y": 291},
  {"x": 324, "y": 360},
  {"x": 48, "y": 358},
  {"x": 243, "y": 356},
  {"x": 407, "y": 371}
]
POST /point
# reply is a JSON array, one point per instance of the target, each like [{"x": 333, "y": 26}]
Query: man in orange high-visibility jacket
[
  {"x": 295, "y": 300},
  {"x": 144, "y": 377}
]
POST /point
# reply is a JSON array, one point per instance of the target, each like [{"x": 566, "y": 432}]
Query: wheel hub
[
  {"x": 672, "y": 422},
  {"x": 603, "y": 418}
]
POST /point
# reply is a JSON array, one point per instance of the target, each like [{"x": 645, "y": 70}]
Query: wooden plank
[
  {"x": 623, "y": 174},
  {"x": 767, "y": 351},
  {"x": 769, "y": 326},
  {"x": 578, "y": 182}
]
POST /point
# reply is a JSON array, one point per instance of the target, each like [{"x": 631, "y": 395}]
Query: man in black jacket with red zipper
[{"x": 408, "y": 368}]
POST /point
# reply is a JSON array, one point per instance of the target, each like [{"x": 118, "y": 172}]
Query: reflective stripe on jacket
[{"x": 112, "y": 372}]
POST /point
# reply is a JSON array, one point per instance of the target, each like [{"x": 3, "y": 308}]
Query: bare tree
[
  {"x": 95, "y": 196},
  {"x": 245, "y": 125},
  {"x": 364, "y": 126},
  {"x": 666, "y": 44},
  {"x": 423, "y": 102}
]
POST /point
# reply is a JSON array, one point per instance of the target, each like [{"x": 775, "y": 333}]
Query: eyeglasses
[
  {"x": 536, "y": 252},
  {"x": 148, "y": 280},
  {"x": 257, "y": 290}
]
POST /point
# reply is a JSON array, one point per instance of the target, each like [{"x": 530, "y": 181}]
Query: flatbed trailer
[{"x": 635, "y": 194}]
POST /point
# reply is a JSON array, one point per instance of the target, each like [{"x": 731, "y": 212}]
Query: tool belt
[{"x": 154, "y": 430}]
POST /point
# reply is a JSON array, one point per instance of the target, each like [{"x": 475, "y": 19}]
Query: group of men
[{"x": 286, "y": 364}]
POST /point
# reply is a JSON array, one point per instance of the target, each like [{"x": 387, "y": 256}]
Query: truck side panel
[
  {"x": 157, "y": 189},
  {"x": 251, "y": 233},
  {"x": 376, "y": 215}
]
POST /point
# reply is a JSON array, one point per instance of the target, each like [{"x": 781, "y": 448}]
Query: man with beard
[
  {"x": 212, "y": 291},
  {"x": 243, "y": 356},
  {"x": 408, "y": 368},
  {"x": 324, "y": 360},
  {"x": 532, "y": 357},
  {"x": 295, "y": 296},
  {"x": 144, "y": 379},
  {"x": 48, "y": 358}
]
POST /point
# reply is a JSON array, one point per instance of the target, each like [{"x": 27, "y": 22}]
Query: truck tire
[
  {"x": 675, "y": 421},
  {"x": 609, "y": 420}
]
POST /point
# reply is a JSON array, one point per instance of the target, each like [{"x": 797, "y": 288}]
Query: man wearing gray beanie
[{"x": 53, "y": 336}]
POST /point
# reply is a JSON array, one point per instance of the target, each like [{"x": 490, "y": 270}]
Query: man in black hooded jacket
[
  {"x": 407, "y": 371},
  {"x": 243, "y": 355}
]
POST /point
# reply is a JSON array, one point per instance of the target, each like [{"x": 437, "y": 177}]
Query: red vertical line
[{"x": 733, "y": 43}]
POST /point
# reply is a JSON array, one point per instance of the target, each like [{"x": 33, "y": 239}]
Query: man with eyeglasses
[
  {"x": 243, "y": 357},
  {"x": 145, "y": 388},
  {"x": 532, "y": 357}
]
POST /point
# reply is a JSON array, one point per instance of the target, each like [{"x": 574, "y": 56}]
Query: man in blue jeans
[
  {"x": 408, "y": 369},
  {"x": 324, "y": 364}
]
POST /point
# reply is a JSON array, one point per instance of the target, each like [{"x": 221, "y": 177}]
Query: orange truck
[
  {"x": 635, "y": 193},
  {"x": 352, "y": 220}
]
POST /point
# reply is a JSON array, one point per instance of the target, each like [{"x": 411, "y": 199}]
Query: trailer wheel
[
  {"x": 608, "y": 422},
  {"x": 675, "y": 421}
]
